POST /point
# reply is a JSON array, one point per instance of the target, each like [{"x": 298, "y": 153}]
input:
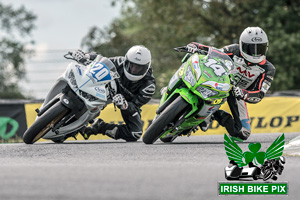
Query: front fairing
[
  {"x": 207, "y": 76},
  {"x": 89, "y": 82},
  {"x": 211, "y": 75}
]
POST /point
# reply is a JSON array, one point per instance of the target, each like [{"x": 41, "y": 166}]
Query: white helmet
[
  {"x": 137, "y": 62},
  {"x": 254, "y": 44}
]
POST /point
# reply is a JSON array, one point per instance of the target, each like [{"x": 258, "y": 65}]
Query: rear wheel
[
  {"x": 44, "y": 123},
  {"x": 171, "y": 112}
]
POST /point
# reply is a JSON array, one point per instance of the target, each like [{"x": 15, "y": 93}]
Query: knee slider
[
  {"x": 245, "y": 133},
  {"x": 137, "y": 135}
]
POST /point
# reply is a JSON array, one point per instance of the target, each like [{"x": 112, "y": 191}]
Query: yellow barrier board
[{"x": 271, "y": 115}]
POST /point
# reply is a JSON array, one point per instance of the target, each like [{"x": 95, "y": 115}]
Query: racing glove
[
  {"x": 81, "y": 57},
  {"x": 191, "y": 48},
  {"x": 240, "y": 93},
  {"x": 120, "y": 101}
]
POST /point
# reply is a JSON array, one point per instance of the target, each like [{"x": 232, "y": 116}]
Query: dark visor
[
  {"x": 136, "y": 69},
  {"x": 255, "y": 49}
]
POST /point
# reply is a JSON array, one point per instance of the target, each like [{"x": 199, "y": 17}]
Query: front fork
[
  {"x": 166, "y": 100},
  {"x": 186, "y": 94}
]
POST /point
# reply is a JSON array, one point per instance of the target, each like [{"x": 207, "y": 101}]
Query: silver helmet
[
  {"x": 254, "y": 44},
  {"x": 137, "y": 62}
]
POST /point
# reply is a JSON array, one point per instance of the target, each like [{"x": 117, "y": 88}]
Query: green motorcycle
[{"x": 197, "y": 89}]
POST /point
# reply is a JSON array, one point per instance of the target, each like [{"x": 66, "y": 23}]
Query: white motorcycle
[{"x": 75, "y": 100}]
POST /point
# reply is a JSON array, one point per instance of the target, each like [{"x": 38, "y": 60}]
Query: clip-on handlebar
[{"x": 185, "y": 49}]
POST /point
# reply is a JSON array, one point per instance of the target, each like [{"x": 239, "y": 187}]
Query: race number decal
[
  {"x": 100, "y": 72},
  {"x": 217, "y": 101},
  {"x": 218, "y": 69}
]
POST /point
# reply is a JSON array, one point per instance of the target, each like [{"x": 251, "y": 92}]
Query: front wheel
[
  {"x": 44, "y": 123},
  {"x": 267, "y": 174},
  {"x": 169, "y": 139},
  {"x": 171, "y": 112}
]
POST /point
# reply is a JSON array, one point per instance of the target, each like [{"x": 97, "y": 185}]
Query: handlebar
[{"x": 185, "y": 49}]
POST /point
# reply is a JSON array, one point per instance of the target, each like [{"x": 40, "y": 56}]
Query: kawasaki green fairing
[{"x": 204, "y": 82}]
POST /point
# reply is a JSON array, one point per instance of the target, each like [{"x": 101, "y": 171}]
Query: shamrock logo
[
  {"x": 235, "y": 153},
  {"x": 253, "y": 154}
]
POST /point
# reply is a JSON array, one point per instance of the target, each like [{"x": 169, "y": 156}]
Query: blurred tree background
[
  {"x": 162, "y": 25},
  {"x": 16, "y": 26}
]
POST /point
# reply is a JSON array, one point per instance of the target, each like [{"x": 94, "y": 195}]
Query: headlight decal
[
  {"x": 205, "y": 92},
  {"x": 189, "y": 76},
  {"x": 173, "y": 80},
  {"x": 72, "y": 79}
]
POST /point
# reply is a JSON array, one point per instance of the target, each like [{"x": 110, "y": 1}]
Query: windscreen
[
  {"x": 225, "y": 60},
  {"x": 111, "y": 67}
]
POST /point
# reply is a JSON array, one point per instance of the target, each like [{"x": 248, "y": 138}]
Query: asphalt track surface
[{"x": 190, "y": 168}]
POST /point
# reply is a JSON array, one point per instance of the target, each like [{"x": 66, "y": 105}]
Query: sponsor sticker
[
  {"x": 101, "y": 90},
  {"x": 256, "y": 39}
]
